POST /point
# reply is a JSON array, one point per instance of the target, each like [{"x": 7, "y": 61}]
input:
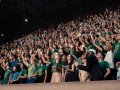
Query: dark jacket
[{"x": 93, "y": 68}]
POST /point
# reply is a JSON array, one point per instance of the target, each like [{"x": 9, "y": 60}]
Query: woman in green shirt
[
  {"x": 32, "y": 70},
  {"x": 42, "y": 72},
  {"x": 8, "y": 73},
  {"x": 57, "y": 70}
]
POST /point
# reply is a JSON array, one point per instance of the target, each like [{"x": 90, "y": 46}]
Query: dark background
[{"x": 43, "y": 13}]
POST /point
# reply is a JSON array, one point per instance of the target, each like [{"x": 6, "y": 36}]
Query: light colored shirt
[{"x": 109, "y": 58}]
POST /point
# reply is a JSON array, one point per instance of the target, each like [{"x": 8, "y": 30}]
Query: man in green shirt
[
  {"x": 117, "y": 50},
  {"x": 117, "y": 53},
  {"x": 104, "y": 65}
]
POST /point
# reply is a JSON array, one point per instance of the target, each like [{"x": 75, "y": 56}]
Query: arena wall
[{"x": 99, "y": 85}]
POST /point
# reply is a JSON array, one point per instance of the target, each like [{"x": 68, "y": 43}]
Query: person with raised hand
[{"x": 32, "y": 69}]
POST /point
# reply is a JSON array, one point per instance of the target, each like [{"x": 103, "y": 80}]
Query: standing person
[
  {"x": 49, "y": 68},
  {"x": 117, "y": 55},
  {"x": 14, "y": 77},
  {"x": 69, "y": 72},
  {"x": 32, "y": 70},
  {"x": 108, "y": 54},
  {"x": 42, "y": 72},
  {"x": 57, "y": 70},
  {"x": 63, "y": 59},
  {"x": 13, "y": 61},
  {"x": 104, "y": 65},
  {"x": 117, "y": 50},
  {"x": 22, "y": 74},
  {"x": 83, "y": 75},
  {"x": 92, "y": 66},
  {"x": 109, "y": 58},
  {"x": 8, "y": 73}
]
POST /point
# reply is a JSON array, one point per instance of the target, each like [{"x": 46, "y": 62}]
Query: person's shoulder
[
  {"x": 17, "y": 72},
  {"x": 105, "y": 62},
  {"x": 24, "y": 70},
  {"x": 10, "y": 71}
]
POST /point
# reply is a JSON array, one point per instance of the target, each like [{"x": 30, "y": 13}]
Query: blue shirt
[
  {"x": 13, "y": 63},
  {"x": 15, "y": 76}
]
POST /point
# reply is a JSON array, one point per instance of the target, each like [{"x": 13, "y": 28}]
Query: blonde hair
[{"x": 110, "y": 47}]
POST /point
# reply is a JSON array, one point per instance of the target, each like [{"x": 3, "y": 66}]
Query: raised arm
[
  {"x": 25, "y": 61},
  {"x": 43, "y": 59},
  {"x": 94, "y": 43},
  {"x": 103, "y": 39}
]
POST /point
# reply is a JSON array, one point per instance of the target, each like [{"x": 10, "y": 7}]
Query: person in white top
[{"x": 109, "y": 57}]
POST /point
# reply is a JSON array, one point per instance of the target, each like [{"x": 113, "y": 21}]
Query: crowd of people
[{"x": 79, "y": 50}]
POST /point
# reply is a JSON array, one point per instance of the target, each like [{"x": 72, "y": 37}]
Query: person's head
[
  {"x": 83, "y": 56},
  {"x": 118, "y": 38},
  {"x": 60, "y": 46},
  {"x": 56, "y": 56},
  {"x": 99, "y": 56},
  {"x": 108, "y": 46},
  {"x": 33, "y": 56},
  {"x": 32, "y": 61},
  {"x": 63, "y": 57},
  {"x": 41, "y": 62},
  {"x": 11, "y": 57},
  {"x": 61, "y": 51},
  {"x": 92, "y": 58},
  {"x": 70, "y": 57},
  {"x": 7, "y": 66},
  {"x": 16, "y": 68},
  {"x": 83, "y": 61},
  {"x": 22, "y": 66},
  {"x": 47, "y": 56},
  {"x": 19, "y": 55}
]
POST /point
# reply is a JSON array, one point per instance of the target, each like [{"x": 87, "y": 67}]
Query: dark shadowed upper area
[{"x": 20, "y": 17}]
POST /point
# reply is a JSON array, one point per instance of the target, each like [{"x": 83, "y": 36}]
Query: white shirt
[{"x": 109, "y": 58}]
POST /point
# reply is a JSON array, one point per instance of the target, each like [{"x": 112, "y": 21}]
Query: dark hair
[
  {"x": 17, "y": 68},
  {"x": 24, "y": 66},
  {"x": 92, "y": 58}
]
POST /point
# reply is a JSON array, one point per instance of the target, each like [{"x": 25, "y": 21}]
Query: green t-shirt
[
  {"x": 41, "y": 70},
  {"x": 73, "y": 52},
  {"x": 20, "y": 61},
  {"x": 6, "y": 76},
  {"x": 37, "y": 61},
  {"x": 31, "y": 70},
  {"x": 104, "y": 65},
  {"x": 55, "y": 66},
  {"x": 23, "y": 72},
  {"x": 64, "y": 63},
  {"x": 117, "y": 50},
  {"x": 79, "y": 61}
]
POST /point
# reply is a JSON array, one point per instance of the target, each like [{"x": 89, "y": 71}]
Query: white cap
[{"x": 92, "y": 50}]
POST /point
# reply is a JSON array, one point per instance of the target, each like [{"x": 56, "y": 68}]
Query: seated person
[{"x": 14, "y": 77}]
